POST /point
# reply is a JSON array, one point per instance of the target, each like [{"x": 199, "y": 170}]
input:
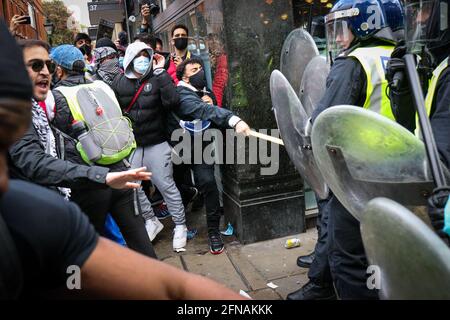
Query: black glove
[
  {"x": 436, "y": 206},
  {"x": 396, "y": 69}
]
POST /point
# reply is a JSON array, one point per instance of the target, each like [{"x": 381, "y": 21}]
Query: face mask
[
  {"x": 85, "y": 49},
  {"x": 202, "y": 46},
  {"x": 198, "y": 80},
  {"x": 141, "y": 64},
  {"x": 192, "y": 47},
  {"x": 121, "y": 62},
  {"x": 181, "y": 43}
]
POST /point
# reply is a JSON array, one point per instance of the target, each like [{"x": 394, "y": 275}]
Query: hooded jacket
[{"x": 158, "y": 97}]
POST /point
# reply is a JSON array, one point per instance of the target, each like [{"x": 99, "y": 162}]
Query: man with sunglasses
[{"x": 36, "y": 157}]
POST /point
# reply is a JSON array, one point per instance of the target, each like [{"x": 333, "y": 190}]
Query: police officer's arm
[
  {"x": 440, "y": 117},
  {"x": 116, "y": 272},
  {"x": 346, "y": 84}
]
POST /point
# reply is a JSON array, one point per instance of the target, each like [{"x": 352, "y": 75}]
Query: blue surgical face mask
[
  {"x": 141, "y": 64},
  {"x": 121, "y": 62},
  {"x": 192, "y": 47}
]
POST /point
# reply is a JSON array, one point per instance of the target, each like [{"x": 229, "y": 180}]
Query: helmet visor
[
  {"x": 426, "y": 22},
  {"x": 339, "y": 37}
]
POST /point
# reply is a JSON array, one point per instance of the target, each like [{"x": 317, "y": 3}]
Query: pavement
[{"x": 264, "y": 270}]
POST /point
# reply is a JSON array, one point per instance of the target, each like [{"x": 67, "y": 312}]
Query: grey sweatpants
[{"x": 158, "y": 160}]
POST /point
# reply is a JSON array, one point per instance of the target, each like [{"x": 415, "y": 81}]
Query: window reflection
[{"x": 205, "y": 24}]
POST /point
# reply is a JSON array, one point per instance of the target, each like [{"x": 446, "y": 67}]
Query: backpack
[{"x": 95, "y": 104}]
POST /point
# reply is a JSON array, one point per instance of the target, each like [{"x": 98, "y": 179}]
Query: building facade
[{"x": 33, "y": 8}]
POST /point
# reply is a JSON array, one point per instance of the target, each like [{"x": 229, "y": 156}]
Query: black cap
[
  {"x": 105, "y": 42},
  {"x": 14, "y": 79}
]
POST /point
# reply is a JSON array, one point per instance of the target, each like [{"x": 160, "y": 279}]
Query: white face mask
[
  {"x": 141, "y": 64},
  {"x": 192, "y": 47}
]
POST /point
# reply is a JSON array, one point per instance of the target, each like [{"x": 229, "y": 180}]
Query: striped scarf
[{"x": 46, "y": 137}]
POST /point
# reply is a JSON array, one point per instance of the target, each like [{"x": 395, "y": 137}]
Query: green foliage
[{"x": 57, "y": 12}]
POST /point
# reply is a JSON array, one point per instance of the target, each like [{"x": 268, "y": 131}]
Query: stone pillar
[{"x": 260, "y": 207}]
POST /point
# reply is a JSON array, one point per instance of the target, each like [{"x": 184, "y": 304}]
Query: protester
[
  {"x": 146, "y": 93},
  {"x": 34, "y": 157},
  {"x": 107, "y": 68},
  {"x": 122, "y": 204},
  {"x": 83, "y": 42},
  {"x": 192, "y": 107}
]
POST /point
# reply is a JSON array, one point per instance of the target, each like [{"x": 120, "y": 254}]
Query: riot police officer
[
  {"x": 360, "y": 42},
  {"x": 428, "y": 36}
]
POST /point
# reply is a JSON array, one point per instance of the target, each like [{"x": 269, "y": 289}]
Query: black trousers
[
  {"x": 319, "y": 272},
  {"x": 347, "y": 257},
  {"x": 183, "y": 180},
  {"x": 206, "y": 182},
  {"x": 96, "y": 204}
]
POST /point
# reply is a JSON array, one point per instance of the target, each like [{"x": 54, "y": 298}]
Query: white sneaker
[
  {"x": 179, "y": 237},
  {"x": 153, "y": 227}
]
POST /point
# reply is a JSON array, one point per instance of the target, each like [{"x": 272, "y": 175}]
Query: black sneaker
[
  {"x": 215, "y": 241},
  {"x": 312, "y": 291}
]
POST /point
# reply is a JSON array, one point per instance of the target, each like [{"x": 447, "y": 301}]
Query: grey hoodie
[{"x": 131, "y": 53}]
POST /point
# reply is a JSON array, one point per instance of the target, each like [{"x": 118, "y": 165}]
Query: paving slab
[
  {"x": 264, "y": 294},
  {"x": 217, "y": 267},
  {"x": 252, "y": 275},
  {"x": 174, "y": 261},
  {"x": 290, "y": 284},
  {"x": 273, "y": 261},
  {"x": 198, "y": 245}
]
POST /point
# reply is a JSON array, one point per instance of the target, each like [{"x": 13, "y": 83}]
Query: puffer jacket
[{"x": 158, "y": 97}]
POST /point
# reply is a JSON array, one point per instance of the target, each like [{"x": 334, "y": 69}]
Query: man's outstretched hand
[{"x": 127, "y": 179}]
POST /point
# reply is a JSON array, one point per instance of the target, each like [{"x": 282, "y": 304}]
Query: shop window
[
  {"x": 206, "y": 40},
  {"x": 309, "y": 14}
]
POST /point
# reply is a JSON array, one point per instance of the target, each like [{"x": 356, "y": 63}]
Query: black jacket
[
  {"x": 192, "y": 107},
  {"x": 28, "y": 161},
  {"x": 440, "y": 116},
  {"x": 346, "y": 84},
  {"x": 405, "y": 113},
  {"x": 63, "y": 122},
  {"x": 149, "y": 113}
]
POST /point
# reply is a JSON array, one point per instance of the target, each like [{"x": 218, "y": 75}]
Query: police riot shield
[
  {"x": 313, "y": 85},
  {"x": 291, "y": 118},
  {"x": 363, "y": 155},
  {"x": 409, "y": 260},
  {"x": 298, "y": 49}
]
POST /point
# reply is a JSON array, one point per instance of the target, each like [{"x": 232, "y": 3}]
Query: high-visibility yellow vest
[
  {"x": 374, "y": 61},
  {"x": 431, "y": 92}
]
